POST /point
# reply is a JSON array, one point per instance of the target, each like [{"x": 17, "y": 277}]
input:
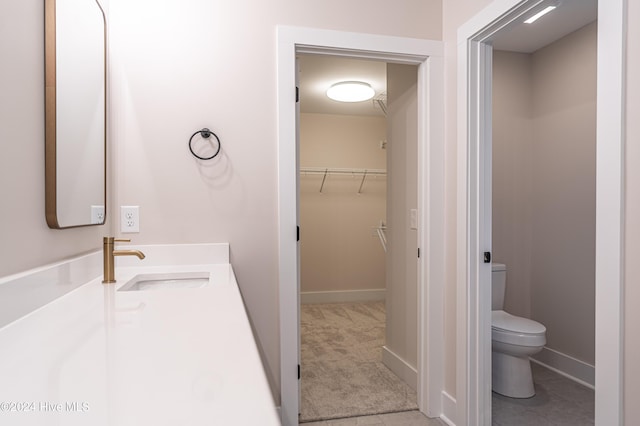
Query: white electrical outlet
[
  {"x": 129, "y": 219},
  {"x": 97, "y": 214}
]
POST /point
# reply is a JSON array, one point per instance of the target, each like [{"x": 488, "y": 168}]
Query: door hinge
[
  {"x": 297, "y": 94},
  {"x": 297, "y": 233},
  {"x": 298, "y": 371},
  {"x": 487, "y": 257}
]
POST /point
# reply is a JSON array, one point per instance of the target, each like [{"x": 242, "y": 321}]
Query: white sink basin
[{"x": 166, "y": 281}]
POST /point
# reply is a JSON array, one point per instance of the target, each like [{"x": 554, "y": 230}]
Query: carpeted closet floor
[{"x": 342, "y": 370}]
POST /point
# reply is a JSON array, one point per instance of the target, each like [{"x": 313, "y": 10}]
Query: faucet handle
[{"x": 111, "y": 240}]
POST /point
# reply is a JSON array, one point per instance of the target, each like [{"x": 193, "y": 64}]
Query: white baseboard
[
  {"x": 572, "y": 368},
  {"x": 342, "y": 296},
  {"x": 400, "y": 367},
  {"x": 448, "y": 409}
]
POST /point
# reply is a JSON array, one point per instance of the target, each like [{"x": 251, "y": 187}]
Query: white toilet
[{"x": 513, "y": 340}]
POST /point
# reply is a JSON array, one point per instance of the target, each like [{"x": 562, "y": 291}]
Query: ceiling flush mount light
[
  {"x": 351, "y": 91},
  {"x": 539, "y": 14}
]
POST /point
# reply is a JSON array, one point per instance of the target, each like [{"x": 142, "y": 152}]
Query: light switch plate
[
  {"x": 129, "y": 219},
  {"x": 413, "y": 213}
]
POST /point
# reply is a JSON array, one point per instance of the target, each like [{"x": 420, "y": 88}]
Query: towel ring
[{"x": 206, "y": 134}]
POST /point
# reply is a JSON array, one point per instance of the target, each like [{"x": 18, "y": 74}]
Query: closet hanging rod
[{"x": 336, "y": 171}]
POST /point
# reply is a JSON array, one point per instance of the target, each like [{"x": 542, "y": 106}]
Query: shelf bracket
[
  {"x": 323, "y": 179},
  {"x": 364, "y": 176}
]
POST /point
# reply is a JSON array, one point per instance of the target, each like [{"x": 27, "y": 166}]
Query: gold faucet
[{"x": 109, "y": 253}]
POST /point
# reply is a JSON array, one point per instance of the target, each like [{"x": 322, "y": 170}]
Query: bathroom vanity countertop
[{"x": 98, "y": 356}]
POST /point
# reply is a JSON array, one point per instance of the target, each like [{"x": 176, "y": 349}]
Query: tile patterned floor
[
  {"x": 405, "y": 418},
  {"x": 558, "y": 401}
]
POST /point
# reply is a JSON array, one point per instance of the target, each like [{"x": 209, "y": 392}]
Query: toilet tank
[{"x": 498, "y": 285}]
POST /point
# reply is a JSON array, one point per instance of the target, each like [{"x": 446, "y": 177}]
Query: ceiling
[
  {"x": 318, "y": 72},
  {"x": 568, "y": 16}
]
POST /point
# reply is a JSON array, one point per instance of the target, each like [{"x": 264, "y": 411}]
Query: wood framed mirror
[{"x": 75, "y": 113}]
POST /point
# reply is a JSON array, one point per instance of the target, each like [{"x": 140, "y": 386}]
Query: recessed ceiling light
[
  {"x": 351, "y": 91},
  {"x": 539, "y": 14}
]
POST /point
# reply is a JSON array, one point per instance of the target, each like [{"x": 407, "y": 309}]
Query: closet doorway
[
  {"x": 358, "y": 243},
  {"x": 428, "y": 56}
]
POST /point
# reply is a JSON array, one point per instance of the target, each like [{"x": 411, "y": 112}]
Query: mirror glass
[{"x": 75, "y": 113}]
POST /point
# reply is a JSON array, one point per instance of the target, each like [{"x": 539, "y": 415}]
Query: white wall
[
  {"x": 402, "y": 166},
  {"x": 27, "y": 242},
  {"x": 180, "y": 65},
  {"x": 338, "y": 249},
  {"x": 632, "y": 222}
]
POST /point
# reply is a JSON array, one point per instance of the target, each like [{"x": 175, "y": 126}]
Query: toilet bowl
[{"x": 513, "y": 340}]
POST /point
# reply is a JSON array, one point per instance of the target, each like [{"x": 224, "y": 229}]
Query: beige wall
[
  {"x": 27, "y": 242},
  {"x": 512, "y": 175},
  {"x": 563, "y": 198},
  {"x": 632, "y": 222},
  {"x": 338, "y": 249},
  {"x": 544, "y": 187},
  {"x": 402, "y": 166}
]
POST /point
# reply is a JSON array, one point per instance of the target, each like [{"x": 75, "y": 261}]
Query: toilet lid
[{"x": 502, "y": 320}]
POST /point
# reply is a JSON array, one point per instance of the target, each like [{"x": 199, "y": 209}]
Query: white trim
[
  {"x": 609, "y": 212},
  {"x": 428, "y": 55},
  {"x": 448, "y": 409},
  {"x": 431, "y": 234},
  {"x": 342, "y": 296},
  {"x": 400, "y": 367},
  {"x": 462, "y": 273},
  {"x": 472, "y": 353},
  {"x": 567, "y": 366}
]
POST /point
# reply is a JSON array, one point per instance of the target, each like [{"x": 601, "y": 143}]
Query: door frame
[
  {"x": 429, "y": 56},
  {"x": 474, "y": 209}
]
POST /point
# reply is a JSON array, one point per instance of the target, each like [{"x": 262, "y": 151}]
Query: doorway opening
[
  {"x": 428, "y": 56},
  {"x": 358, "y": 251},
  {"x": 543, "y": 176},
  {"x": 475, "y": 136}
]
